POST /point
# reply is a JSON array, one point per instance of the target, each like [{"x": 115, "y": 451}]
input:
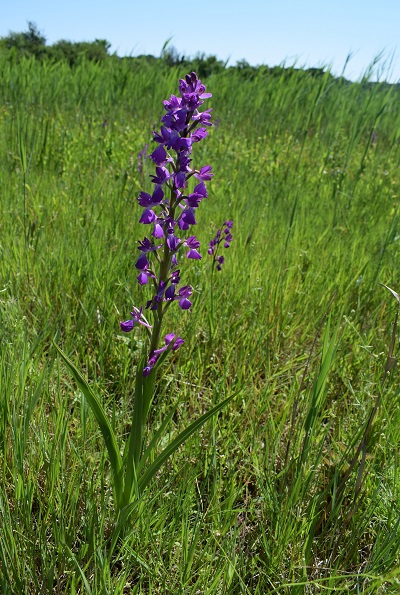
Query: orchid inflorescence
[
  {"x": 225, "y": 238},
  {"x": 171, "y": 211}
]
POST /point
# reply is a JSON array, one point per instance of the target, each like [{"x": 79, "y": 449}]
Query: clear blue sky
[{"x": 305, "y": 32}]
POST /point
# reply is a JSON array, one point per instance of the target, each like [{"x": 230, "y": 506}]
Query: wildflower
[
  {"x": 193, "y": 243},
  {"x": 204, "y": 174},
  {"x": 226, "y": 238},
  {"x": 146, "y": 200},
  {"x": 160, "y": 157},
  {"x": 129, "y": 325},
  {"x": 183, "y": 295},
  {"x": 170, "y": 209}
]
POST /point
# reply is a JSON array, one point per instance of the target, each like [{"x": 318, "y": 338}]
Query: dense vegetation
[
  {"x": 33, "y": 43},
  {"x": 270, "y": 497}
]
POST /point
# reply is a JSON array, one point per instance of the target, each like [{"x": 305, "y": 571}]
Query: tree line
[{"x": 33, "y": 43}]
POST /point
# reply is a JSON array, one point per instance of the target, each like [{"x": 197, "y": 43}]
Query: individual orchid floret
[
  {"x": 143, "y": 277},
  {"x": 160, "y": 156},
  {"x": 175, "y": 276},
  {"x": 195, "y": 198},
  {"x": 146, "y": 200},
  {"x": 184, "y": 162},
  {"x": 167, "y": 137},
  {"x": 176, "y": 120},
  {"x": 148, "y": 216},
  {"x": 173, "y": 104},
  {"x": 193, "y": 243},
  {"x": 147, "y": 246},
  {"x": 180, "y": 179},
  {"x": 203, "y": 117},
  {"x": 143, "y": 265},
  {"x": 186, "y": 219},
  {"x": 173, "y": 242},
  {"x": 198, "y": 135},
  {"x": 158, "y": 231},
  {"x": 183, "y": 296},
  {"x": 137, "y": 318},
  {"x": 204, "y": 174},
  {"x": 162, "y": 176}
]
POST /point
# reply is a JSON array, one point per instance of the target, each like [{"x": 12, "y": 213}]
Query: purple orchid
[
  {"x": 129, "y": 325},
  {"x": 204, "y": 174},
  {"x": 171, "y": 209},
  {"x": 226, "y": 238},
  {"x": 193, "y": 243}
]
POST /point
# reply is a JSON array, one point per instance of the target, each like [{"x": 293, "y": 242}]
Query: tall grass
[{"x": 308, "y": 170}]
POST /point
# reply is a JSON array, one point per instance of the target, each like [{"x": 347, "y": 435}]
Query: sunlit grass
[{"x": 307, "y": 168}]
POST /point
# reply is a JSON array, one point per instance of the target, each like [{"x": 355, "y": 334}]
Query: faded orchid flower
[{"x": 142, "y": 155}]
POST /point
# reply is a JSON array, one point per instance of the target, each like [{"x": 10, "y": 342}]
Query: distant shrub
[
  {"x": 31, "y": 42},
  {"x": 73, "y": 53}
]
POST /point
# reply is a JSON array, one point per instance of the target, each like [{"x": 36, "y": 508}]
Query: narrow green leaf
[
  {"x": 83, "y": 577},
  {"x": 103, "y": 423},
  {"x": 156, "y": 438},
  {"x": 180, "y": 439}
]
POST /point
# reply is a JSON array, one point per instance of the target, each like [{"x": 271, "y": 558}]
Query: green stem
[{"x": 144, "y": 388}]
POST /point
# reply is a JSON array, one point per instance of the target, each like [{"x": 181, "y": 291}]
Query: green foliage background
[{"x": 307, "y": 167}]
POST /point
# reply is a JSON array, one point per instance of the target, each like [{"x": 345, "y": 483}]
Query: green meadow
[{"x": 294, "y": 487}]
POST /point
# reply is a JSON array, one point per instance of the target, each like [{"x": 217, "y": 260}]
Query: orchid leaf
[
  {"x": 176, "y": 443},
  {"x": 102, "y": 421}
]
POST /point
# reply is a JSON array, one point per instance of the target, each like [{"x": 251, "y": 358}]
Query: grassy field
[{"x": 290, "y": 489}]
